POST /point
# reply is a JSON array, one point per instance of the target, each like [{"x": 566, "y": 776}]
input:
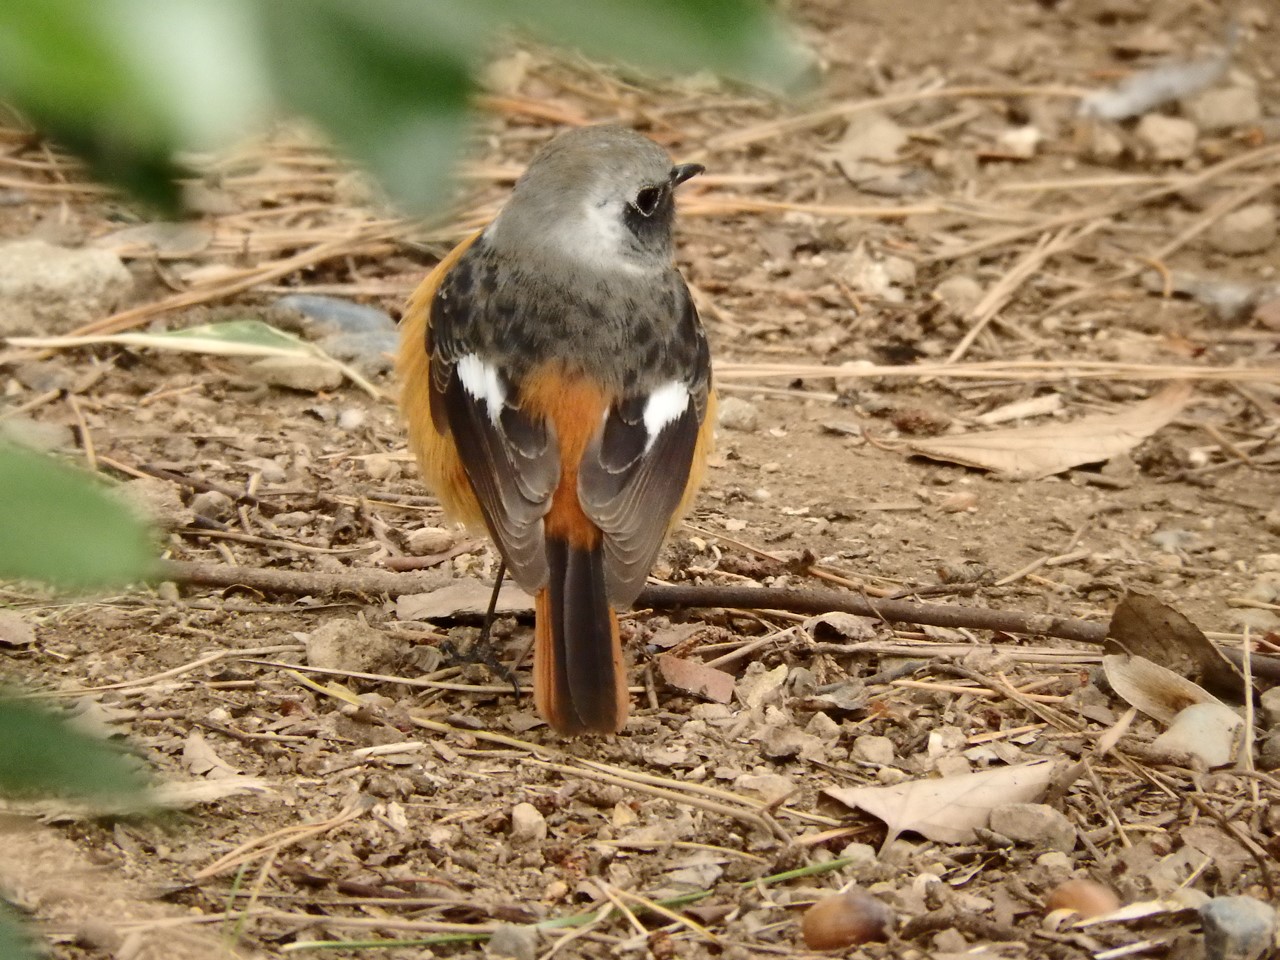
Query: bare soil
[{"x": 383, "y": 810}]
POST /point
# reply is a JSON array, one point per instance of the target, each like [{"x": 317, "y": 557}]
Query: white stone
[
  {"x": 297, "y": 373},
  {"x": 1225, "y": 108},
  {"x": 46, "y": 289},
  {"x": 1250, "y": 229},
  {"x": 528, "y": 825},
  {"x": 1167, "y": 138},
  {"x": 738, "y": 414}
]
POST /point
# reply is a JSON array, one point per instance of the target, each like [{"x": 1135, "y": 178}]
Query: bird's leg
[{"x": 482, "y": 650}]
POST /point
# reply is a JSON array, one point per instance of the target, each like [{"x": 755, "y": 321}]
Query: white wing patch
[
  {"x": 665, "y": 406},
  {"x": 480, "y": 379}
]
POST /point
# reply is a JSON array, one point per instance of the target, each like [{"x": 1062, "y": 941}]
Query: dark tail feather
[{"x": 580, "y": 684}]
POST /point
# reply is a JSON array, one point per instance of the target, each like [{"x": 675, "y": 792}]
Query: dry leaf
[
  {"x": 1030, "y": 453},
  {"x": 463, "y": 598},
  {"x": 1112, "y": 735},
  {"x": 202, "y": 760},
  {"x": 1155, "y": 690},
  {"x": 696, "y": 678},
  {"x": 1144, "y": 626},
  {"x": 948, "y": 809}
]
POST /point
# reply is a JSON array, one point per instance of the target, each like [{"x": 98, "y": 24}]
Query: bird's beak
[{"x": 683, "y": 171}]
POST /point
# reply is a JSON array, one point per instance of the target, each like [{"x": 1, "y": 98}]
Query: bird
[{"x": 557, "y": 386}]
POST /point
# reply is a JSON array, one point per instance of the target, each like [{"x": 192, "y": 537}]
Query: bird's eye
[{"x": 647, "y": 200}]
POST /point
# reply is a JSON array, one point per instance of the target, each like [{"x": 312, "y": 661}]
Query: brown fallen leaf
[
  {"x": 696, "y": 678},
  {"x": 948, "y": 809},
  {"x": 1030, "y": 453},
  {"x": 1146, "y": 627}
]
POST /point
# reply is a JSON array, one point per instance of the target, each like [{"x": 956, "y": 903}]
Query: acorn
[
  {"x": 846, "y": 920},
  {"x": 1086, "y": 898}
]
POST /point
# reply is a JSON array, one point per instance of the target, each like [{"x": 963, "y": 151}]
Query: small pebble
[
  {"x": 157, "y": 501},
  {"x": 429, "y": 540},
  {"x": 1238, "y": 928},
  {"x": 15, "y": 631},
  {"x": 334, "y": 315},
  {"x": 1271, "y": 708},
  {"x": 518, "y": 941},
  {"x": 297, "y": 373},
  {"x": 873, "y": 749},
  {"x": 846, "y": 920},
  {"x": 212, "y": 505},
  {"x": 1036, "y": 824},
  {"x": 738, "y": 414},
  {"x": 1167, "y": 138},
  {"x": 351, "y": 418},
  {"x": 1250, "y": 229},
  {"x": 1086, "y": 898},
  {"x": 347, "y": 643},
  {"x": 786, "y": 741},
  {"x": 47, "y": 289},
  {"x": 381, "y": 466},
  {"x": 528, "y": 825},
  {"x": 1224, "y": 108}
]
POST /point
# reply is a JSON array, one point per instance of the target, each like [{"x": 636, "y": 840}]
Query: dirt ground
[{"x": 343, "y": 807}]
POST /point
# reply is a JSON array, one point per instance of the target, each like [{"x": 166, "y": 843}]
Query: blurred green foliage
[{"x": 128, "y": 84}]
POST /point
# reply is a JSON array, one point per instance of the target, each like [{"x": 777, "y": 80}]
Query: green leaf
[
  {"x": 13, "y": 944},
  {"x": 41, "y": 752},
  {"x": 390, "y": 79},
  {"x": 737, "y": 38},
  {"x": 58, "y": 525}
]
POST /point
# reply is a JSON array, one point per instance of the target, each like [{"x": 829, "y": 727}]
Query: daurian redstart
[{"x": 557, "y": 384}]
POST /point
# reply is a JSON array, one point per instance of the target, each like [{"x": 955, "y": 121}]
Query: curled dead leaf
[{"x": 1031, "y": 453}]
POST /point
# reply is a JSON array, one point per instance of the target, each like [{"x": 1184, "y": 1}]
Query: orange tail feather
[{"x": 580, "y": 680}]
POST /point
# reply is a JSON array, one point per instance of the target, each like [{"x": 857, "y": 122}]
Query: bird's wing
[
  {"x": 510, "y": 458},
  {"x": 635, "y": 473}
]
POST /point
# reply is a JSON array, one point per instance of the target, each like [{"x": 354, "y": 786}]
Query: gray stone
[
  {"x": 335, "y": 315},
  {"x": 738, "y": 414},
  {"x": 1167, "y": 138},
  {"x": 1036, "y": 824},
  {"x": 1269, "y": 751},
  {"x": 1237, "y": 928},
  {"x": 1250, "y": 229},
  {"x": 786, "y": 741},
  {"x": 518, "y": 941},
  {"x": 528, "y": 825},
  {"x": 873, "y": 749},
  {"x": 1225, "y": 108},
  {"x": 46, "y": 289},
  {"x": 1271, "y": 708},
  {"x": 428, "y": 540},
  {"x": 212, "y": 505},
  {"x": 297, "y": 373},
  {"x": 157, "y": 501},
  {"x": 961, "y": 294},
  {"x": 350, "y": 644}
]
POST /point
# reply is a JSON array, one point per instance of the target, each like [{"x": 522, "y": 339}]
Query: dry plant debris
[{"x": 935, "y": 243}]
